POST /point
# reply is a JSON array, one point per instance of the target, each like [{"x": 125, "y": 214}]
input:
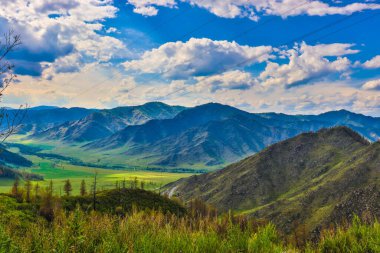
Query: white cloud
[
  {"x": 53, "y": 29},
  {"x": 253, "y": 8},
  {"x": 149, "y": 7},
  {"x": 112, "y": 30},
  {"x": 307, "y": 63},
  {"x": 374, "y": 63},
  {"x": 372, "y": 85},
  {"x": 197, "y": 57},
  {"x": 230, "y": 80}
]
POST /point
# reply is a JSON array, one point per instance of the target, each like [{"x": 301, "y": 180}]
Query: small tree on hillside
[
  {"x": 28, "y": 189},
  {"x": 36, "y": 191},
  {"x": 50, "y": 188},
  {"x": 15, "y": 190},
  {"x": 67, "y": 187},
  {"x": 47, "y": 203},
  {"x": 142, "y": 185},
  {"x": 94, "y": 191},
  {"x": 83, "y": 190}
]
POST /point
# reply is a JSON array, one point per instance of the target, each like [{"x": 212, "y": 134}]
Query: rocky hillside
[{"x": 306, "y": 180}]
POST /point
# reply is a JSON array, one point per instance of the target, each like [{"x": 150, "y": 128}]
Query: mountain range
[
  {"x": 103, "y": 123},
  {"x": 309, "y": 180},
  {"x": 215, "y": 134},
  {"x": 36, "y": 119},
  {"x": 206, "y": 135}
]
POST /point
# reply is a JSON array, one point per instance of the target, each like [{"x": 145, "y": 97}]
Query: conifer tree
[
  {"x": 67, "y": 187},
  {"x": 83, "y": 190},
  {"x": 28, "y": 189},
  {"x": 36, "y": 191}
]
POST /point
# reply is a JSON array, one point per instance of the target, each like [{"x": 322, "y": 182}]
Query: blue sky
[{"x": 286, "y": 56}]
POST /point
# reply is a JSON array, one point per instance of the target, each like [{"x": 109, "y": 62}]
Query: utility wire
[
  {"x": 291, "y": 41},
  {"x": 264, "y": 23},
  {"x": 213, "y": 19}
]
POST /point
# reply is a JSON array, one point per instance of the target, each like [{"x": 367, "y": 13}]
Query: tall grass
[
  {"x": 24, "y": 228},
  {"x": 140, "y": 231},
  {"x": 152, "y": 231}
]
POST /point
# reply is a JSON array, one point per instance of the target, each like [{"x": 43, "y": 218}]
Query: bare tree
[{"x": 8, "y": 123}]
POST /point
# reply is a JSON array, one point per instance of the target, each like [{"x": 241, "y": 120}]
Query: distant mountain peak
[
  {"x": 43, "y": 107},
  {"x": 343, "y": 131}
]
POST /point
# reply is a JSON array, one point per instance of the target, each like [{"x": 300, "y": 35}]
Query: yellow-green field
[
  {"x": 107, "y": 178},
  {"x": 58, "y": 170}
]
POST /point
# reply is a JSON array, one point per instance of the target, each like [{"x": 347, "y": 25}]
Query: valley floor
[{"x": 57, "y": 163}]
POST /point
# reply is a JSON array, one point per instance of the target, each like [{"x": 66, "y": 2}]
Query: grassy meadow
[
  {"x": 104, "y": 159},
  {"x": 60, "y": 168},
  {"x": 106, "y": 178}
]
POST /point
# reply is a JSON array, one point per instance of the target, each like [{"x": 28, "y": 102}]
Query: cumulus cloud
[
  {"x": 53, "y": 29},
  {"x": 253, "y": 8},
  {"x": 230, "y": 80},
  {"x": 374, "y": 63},
  {"x": 372, "y": 85},
  {"x": 149, "y": 7},
  {"x": 197, "y": 57},
  {"x": 307, "y": 63}
]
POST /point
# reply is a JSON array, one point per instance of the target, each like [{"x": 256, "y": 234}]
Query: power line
[
  {"x": 213, "y": 19},
  {"x": 156, "y": 27},
  {"x": 240, "y": 34},
  {"x": 209, "y": 21},
  {"x": 345, "y": 27},
  {"x": 267, "y": 21},
  {"x": 170, "y": 19},
  {"x": 299, "y": 38},
  {"x": 264, "y": 23}
]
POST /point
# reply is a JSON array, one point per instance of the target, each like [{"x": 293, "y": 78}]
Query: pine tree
[
  {"x": 28, "y": 189},
  {"x": 142, "y": 185},
  {"x": 94, "y": 191},
  {"x": 36, "y": 191},
  {"x": 50, "y": 188},
  {"x": 67, "y": 187},
  {"x": 47, "y": 203},
  {"x": 83, "y": 190}
]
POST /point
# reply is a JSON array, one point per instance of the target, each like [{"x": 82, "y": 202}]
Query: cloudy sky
[{"x": 292, "y": 56}]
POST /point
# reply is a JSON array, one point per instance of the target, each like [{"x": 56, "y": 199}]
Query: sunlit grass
[{"x": 107, "y": 178}]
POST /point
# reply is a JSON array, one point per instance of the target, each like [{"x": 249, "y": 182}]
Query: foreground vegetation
[{"x": 135, "y": 220}]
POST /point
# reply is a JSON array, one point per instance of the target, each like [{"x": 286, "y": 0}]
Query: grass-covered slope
[
  {"x": 13, "y": 159},
  {"x": 123, "y": 200},
  {"x": 298, "y": 181}
]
